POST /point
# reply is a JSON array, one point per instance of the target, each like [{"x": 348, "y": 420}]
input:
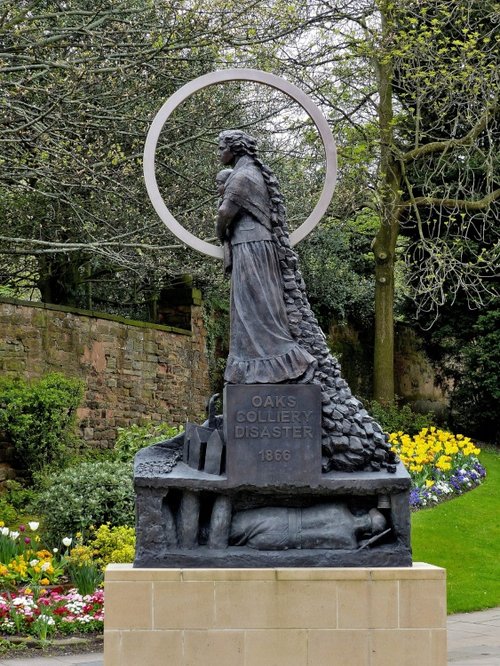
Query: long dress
[{"x": 261, "y": 349}]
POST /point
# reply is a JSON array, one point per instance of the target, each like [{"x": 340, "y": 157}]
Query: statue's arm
[{"x": 228, "y": 210}]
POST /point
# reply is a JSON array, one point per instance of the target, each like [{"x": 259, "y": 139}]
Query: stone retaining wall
[{"x": 133, "y": 371}]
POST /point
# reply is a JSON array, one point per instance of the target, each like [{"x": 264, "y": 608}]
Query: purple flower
[
  {"x": 480, "y": 469},
  {"x": 414, "y": 497}
]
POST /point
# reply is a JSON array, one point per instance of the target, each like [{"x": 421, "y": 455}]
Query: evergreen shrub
[
  {"x": 90, "y": 493},
  {"x": 134, "y": 438},
  {"x": 113, "y": 544},
  {"x": 395, "y": 418},
  {"x": 39, "y": 419}
]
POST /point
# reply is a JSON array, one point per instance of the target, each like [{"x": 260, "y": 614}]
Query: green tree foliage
[
  {"x": 417, "y": 83},
  {"x": 77, "y": 83},
  {"x": 80, "y": 84},
  {"x": 448, "y": 90},
  {"x": 336, "y": 265}
]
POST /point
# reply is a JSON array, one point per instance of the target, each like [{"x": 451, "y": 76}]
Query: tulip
[
  {"x": 33, "y": 525},
  {"x": 67, "y": 541},
  {"x": 13, "y": 535}
]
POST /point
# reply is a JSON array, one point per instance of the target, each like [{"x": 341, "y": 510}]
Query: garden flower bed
[
  {"x": 441, "y": 465},
  {"x": 47, "y": 593},
  {"x": 40, "y": 605},
  {"x": 45, "y": 614}
]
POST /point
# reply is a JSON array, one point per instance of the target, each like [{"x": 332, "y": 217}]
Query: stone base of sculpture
[
  {"x": 284, "y": 617},
  {"x": 247, "y": 490}
]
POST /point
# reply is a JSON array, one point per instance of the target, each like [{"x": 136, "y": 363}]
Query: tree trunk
[
  {"x": 384, "y": 245},
  {"x": 383, "y": 365}
]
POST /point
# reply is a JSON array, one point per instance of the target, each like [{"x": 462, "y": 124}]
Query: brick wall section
[{"x": 133, "y": 371}]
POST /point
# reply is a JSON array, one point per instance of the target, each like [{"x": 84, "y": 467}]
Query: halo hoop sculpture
[{"x": 256, "y": 76}]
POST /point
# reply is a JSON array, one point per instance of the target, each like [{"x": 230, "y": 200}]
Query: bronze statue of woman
[
  {"x": 275, "y": 336},
  {"x": 262, "y": 348}
]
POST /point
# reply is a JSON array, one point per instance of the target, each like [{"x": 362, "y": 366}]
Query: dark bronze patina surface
[
  {"x": 273, "y": 434},
  {"x": 295, "y": 472}
]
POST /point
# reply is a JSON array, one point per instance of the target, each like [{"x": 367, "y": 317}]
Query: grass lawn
[{"x": 463, "y": 535}]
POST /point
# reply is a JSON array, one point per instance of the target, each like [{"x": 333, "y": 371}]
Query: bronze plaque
[{"x": 273, "y": 434}]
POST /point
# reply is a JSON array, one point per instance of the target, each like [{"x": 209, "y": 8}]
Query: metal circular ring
[{"x": 221, "y": 76}]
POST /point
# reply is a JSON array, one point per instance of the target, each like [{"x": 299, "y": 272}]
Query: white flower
[
  {"x": 5, "y": 531},
  {"x": 55, "y": 550},
  {"x": 26, "y": 602},
  {"x": 13, "y": 535},
  {"x": 67, "y": 541},
  {"x": 46, "y": 619},
  {"x": 45, "y": 566},
  {"x": 84, "y": 619},
  {"x": 34, "y": 525},
  {"x": 33, "y": 563}
]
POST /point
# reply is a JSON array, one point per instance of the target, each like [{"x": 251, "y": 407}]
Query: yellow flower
[
  {"x": 44, "y": 581},
  {"x": 429, "y": 483}
]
